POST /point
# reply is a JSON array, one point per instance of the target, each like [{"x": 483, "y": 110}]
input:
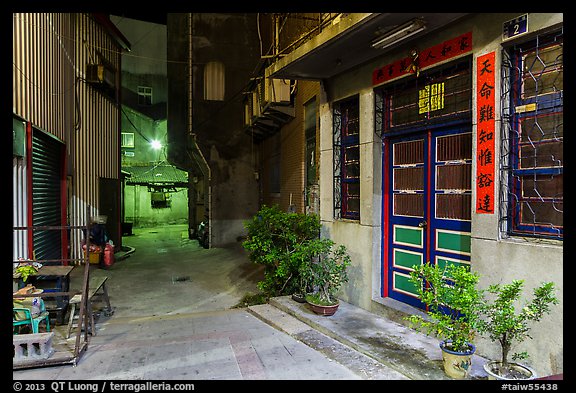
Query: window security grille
[
  {"x": 437, "y": 97},
  {"x": 531, "y": 165},
  {"x": 347, "y": 159}
]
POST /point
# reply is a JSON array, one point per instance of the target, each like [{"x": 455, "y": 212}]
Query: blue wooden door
[{"x": 428, "y": 202}]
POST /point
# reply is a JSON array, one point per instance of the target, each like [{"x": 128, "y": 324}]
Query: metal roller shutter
[{"x": 46, "y": 195}]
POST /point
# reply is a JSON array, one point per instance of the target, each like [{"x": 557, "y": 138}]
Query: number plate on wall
[{"x": 515, "y": 27}]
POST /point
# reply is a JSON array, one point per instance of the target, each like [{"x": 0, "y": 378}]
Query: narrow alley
[{"x": 174, "y": 319}]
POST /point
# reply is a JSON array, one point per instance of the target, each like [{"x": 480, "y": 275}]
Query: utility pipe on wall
[{"x": 192, "y": 143}]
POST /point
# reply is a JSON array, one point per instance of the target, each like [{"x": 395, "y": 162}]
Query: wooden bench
[{"x": 95, "y": 285}]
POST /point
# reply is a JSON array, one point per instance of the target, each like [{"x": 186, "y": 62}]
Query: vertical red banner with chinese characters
[{"x": 485, "y": 106}]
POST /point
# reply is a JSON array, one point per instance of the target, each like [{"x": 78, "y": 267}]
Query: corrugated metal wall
[
  {"x": 20, "y": 214},
  {"x": 50, "y": 54}
]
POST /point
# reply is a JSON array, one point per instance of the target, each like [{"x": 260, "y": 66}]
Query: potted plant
[
  {"x": 24, "y": 271},
  {"x": 452, "y": 303},
  {"x": 504, "y": 324},
  {"x": 299, "y": 294},
  {"x": 325, "y": 270},
  {"x": 26, "y": 268}
]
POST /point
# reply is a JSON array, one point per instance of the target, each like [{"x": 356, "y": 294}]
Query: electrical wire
[
  {"x": 100, "y": 48},
  {"x": 135, "y": 128}
]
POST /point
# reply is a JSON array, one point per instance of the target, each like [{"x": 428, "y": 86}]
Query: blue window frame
[
  {"x": 533, "y": 161},
  {"x": 347, "y": 159}
]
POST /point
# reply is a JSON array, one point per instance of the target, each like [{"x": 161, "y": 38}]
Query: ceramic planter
[
  {"x": 456, "y": 364},
  {"x": 519, "y": 372},
  {"x": 298, "y": 297},
  {"x": 323, "y": 310}
]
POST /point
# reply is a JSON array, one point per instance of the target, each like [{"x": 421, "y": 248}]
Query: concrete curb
[
  {"x": 124, "y": 253},
  {"x": 394, "y": 345},
  {"x": 359, "y": 363}
]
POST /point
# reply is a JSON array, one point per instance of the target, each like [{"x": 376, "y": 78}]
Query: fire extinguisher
[{"x": 108, "y": 259}]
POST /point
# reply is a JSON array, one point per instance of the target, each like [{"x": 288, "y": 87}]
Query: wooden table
[
  {"x": 57, "y": 271},
  {"x": 54, "y": 279}
]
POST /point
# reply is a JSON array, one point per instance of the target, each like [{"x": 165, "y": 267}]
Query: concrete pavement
[
  {"x": 400, "y": 352},
  {"x": 210, "y": 345},
  {"x": 174, "y": 320}
]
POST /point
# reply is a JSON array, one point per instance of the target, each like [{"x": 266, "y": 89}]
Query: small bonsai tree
[
  {"x": 452, "y": 303},
  {"x": 279, "y": 241},
  {"x": 325, "y": 270},
  {"x": 505, "y": 324}
]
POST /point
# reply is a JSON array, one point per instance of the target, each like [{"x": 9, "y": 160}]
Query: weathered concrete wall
[
  {"x": 144, "y": 127},
  {"x": 534, "y": 262},
  {"x": 231, "y": 39},
  {"x": 496, "y": 259},
  {"x": 138, "y": 207},
  {"x": 362, "y": 238}
]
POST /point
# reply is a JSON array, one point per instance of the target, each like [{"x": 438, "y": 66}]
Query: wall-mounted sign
[
  {"x": 485, "y": 120},
  {"x": 515, "y": 27},
  {"x": 426, "y": 58},
  {"x": 431, "y": 98}
]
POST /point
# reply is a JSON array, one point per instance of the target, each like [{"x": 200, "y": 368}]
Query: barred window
[
  {"x": 532, "y": 138},
  {"x": 436, "y": 97},
  {"x": 347, "y": 159}
]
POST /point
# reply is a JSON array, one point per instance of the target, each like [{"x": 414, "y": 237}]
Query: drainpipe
[
  {"x": 192, "y": 144},
  {"x": 276, "y": 34}
]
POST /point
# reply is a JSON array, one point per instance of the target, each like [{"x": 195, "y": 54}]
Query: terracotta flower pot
[{"x": 323, "y": 310}]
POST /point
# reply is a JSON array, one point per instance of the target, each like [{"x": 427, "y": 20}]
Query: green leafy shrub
[
  {"x": 325, "y": 270},
  {"x": 503, "y": 323},
  {"x": 279, "y": 241},
  {"x": 453, "y": 303},
  {"x": 26, "y": 271}
]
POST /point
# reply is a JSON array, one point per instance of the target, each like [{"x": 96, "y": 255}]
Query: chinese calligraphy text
[
  {"x": 426, "y": 58},
  {"x": 485, "y": 101}
]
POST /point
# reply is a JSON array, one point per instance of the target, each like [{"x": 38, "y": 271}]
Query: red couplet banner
[
  {"x": 426, "y": 58},
  {"x": 485, "y": 101}
]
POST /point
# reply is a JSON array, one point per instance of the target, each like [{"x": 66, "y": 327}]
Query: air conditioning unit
[
  {"x": 100, "y": 74},
  {"x": 277, "y": 91}
]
